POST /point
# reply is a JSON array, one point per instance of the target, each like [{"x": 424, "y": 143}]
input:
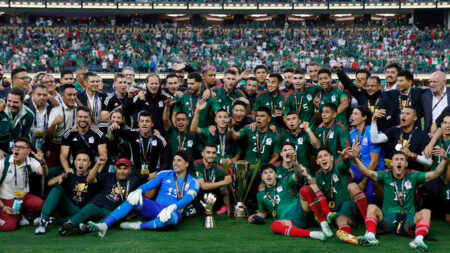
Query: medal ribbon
[{"x": 180, "y": 194}]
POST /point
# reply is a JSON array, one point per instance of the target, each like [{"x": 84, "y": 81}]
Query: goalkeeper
[{"x": 177, "y": 190}]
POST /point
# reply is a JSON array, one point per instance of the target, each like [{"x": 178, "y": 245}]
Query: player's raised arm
[
  {"x": 440, "y": 152},
  {"x": 367, "y": 173}
]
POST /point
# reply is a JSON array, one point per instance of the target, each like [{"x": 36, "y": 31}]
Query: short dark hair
[
  {"x": 196, "y": 76},
  {"x": 323, "y": 149},
  {"x": 332, "y": 106},
  {"x": 267, "y": 167},
  {"x": 209, "y": 145},
  {"x": 298, "y": 72},
  {"x": 236, "y": 66},
  {"x": 277, "y": 76},
  {"x": 180, "y": 112},
  {"x": 84, "y": 152},
  {"x": 17, "y": 92},
  {"x": 221, "y": 110},
  {"x": 88, "y": 74},
  {"x": 313, "y": 63},
  {"x": 289, "y": 70},
  {"x": 265, "y": 109},
  {"x": 260, "y": 67},
  {"x": 83, "y": 109},
  {"x": 144, "y": 113},
  {"x": 394, "y": 65},
  {"x": 291, "y": 113},
  {"x": 119, "y": 75},
  {"x": 399, "y": 153},
  {"x": 231, "y": 72},
  {"x": 240, "y": 103},
  {"x": 289, "y": 144},
  {"x": 66, "y": 72},
  {"x": 15, "y": 71},
  {"x": 376, "y": 78},
  {"x": 251, "y": 79},
  {"x": 324, "y": 70},
  {"x": 364, "y": 72},
  {"x": 187, "y": 157},
  {"x": 152, "y": 75},
  {"x": 408, "y": 75},
  {"x": 171, "y": 75},
  {"x": 23, "y": 139},
  {"x": 40, "y": 86},
  {"x": 64, "y": 87}
]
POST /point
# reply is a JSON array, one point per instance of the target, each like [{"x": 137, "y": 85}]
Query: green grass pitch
[{"x": 230, "y": 235}]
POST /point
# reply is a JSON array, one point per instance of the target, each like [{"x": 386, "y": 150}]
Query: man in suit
[
  {"x": 92, "y": 98},
  {"x": 435, "y": 99},
  {"x": 393, "y": 101}
]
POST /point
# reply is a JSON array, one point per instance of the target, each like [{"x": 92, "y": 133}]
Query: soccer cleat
[
  {"x": 41, "y": 227},
  {"x": 418, "y": 246},
  {"x": 100, "y": 228},
  {"x": 23, "y": 221},
  {"x": 68, "y": 228},
  {"x": 346, "y": 237},
  {"x": 367, "y": 241},
  {"x": 326, "y": 229},
  {"x": 38, "y": 220},
  {"x": 318, "y": 235},
  {"x": 131, "y": 225},
  {"x": 331, "y": 217}
]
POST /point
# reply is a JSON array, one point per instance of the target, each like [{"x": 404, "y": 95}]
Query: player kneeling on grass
[
  {"x": 280, "y": 200},
  {"x": 334, "y": 180},
  {"x": 70, "y": 192},
  {"x": 114, "y": 190},
  {"x": 176, "y": 190},
  {"x": 398, "y": 214}
]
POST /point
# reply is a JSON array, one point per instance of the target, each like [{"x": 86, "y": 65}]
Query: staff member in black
[
  {"x": 148, "y": 150},
  {"x": 82, "y": 137}
]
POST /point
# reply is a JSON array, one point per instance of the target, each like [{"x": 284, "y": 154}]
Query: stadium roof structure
[{"x": 162, "y": 7}]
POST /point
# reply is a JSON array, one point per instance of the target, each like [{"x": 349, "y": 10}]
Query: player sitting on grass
[
  {"x": 177, "y": 190},
  {"x": 281, "y": 201},
  {"x": 398, "y": 214},
  {"x": 334, "y": 180}
]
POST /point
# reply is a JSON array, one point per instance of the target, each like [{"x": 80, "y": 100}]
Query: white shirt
[
  {"x": 438, "y": 104},
  {"x": 69, "y": 120},
  {"x": 9, "y": 188},
  {"x": 384, "y": 88},
  {"x": 40, "y": 119}
]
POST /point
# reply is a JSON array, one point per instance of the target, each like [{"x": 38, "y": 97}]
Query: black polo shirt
[
  {"x": 88, "y": 142},
  {"x": 113, "y": 101},
  {"x": 154, "y": 105}
]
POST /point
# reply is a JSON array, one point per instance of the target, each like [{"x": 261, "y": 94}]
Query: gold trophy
[
  {"x": 240, "y": 186},
  {"x": 208, "y": 204}
]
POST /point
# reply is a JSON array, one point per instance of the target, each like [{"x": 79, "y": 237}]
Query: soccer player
[
  {"x": 398, "y": 213},
  {"x": 313, "y": 73},
  {"x": 226, "y": 152},
  {"x": 227, "y": 94},
  {"x": 260, "y": 73},
  {"x": 301, "y": 136},
  {"x": 371, "y": 154},
  {"x": 69, "y": 193},
  {"x": 119, "y": 98},
  {"x": 331, "y": 134},
  {"x": 114, "y": 190},
  {"x": 212, "y": 178},
  {"x": 332, "y": 95},
  {"x": 250, "y": 89},
  {"x": 280, "y": 201},
  {"x": 176, "y": 190},
  {"x": 407, "y": 137},
  {"x": 334, "y": 180},
  {"x": 300, "y": 99}
]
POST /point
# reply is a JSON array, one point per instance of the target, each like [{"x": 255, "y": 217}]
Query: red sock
[
  {"x": 361, "y": 201},
  {"x": 291, "y": 231},
  {"x": 323, "y": 202},
  {"x": 422, "y": 228},
  {"x": 371, "y": 225},
  {"x": 307, "y": 194},
  {"x": 346, "y": 228}
]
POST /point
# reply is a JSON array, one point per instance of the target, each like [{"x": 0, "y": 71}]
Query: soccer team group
[{"x": 84, "y": 160}]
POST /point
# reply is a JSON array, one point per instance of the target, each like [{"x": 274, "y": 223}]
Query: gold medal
[
  {"x": 39, "y": 133},
  {"x": 274, "y": 213},
  {"x": 372, "y": 109},
  {"x": 331, "y": 204}
]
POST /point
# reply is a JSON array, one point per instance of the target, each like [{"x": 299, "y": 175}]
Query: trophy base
[
  {"x": 240, "y": 211},
  {"x": 209, "y": 222}
]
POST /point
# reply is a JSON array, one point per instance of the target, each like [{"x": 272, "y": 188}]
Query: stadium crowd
[
  {"x": 351, "y": 152},
  {"x": 156, "y": 47}
]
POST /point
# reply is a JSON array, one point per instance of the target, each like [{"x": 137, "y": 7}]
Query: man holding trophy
[{"x": 280, "y": 201}]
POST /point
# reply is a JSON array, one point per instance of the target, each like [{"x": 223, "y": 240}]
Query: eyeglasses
[
  {"x": 19, "y": 147},
  {"x": 24, "y": 78}
]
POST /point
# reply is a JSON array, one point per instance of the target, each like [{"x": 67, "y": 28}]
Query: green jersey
[
  {"x": 336, "y": 138},
  {"x": 212, "y": 175},
  {"x": 334, "y": 97},
  {"x": 280, "y": 197},
  {"x": 302, "y": 103},
  {"x": 436, "y": 160},
  {"x": 301, "y": 145},
  {"x": 187, "y": 104},
  {"x": 225, "y": 100},
  {"x": 260, "y": 146},
  {"x": 225, "y": 147},
  {"x": 181, "y": 141},
  {"x": 265, "y": 99},
  {"x": 406, "y": 188},
  {"x": 337, "y": 179}
]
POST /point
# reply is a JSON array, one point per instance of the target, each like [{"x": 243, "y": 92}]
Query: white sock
[
  {"x": 419, "y": 238},
  {"x": 370, "y": 235}
]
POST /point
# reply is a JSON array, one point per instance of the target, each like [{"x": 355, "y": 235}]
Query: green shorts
[
  {"x": 299, "y": 218},
  {"x": 350, "y": 210},
  {"x": 390, "y": 222}
]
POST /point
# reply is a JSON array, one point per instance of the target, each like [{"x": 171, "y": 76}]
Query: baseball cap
[{"x": 123, "y": 161}]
